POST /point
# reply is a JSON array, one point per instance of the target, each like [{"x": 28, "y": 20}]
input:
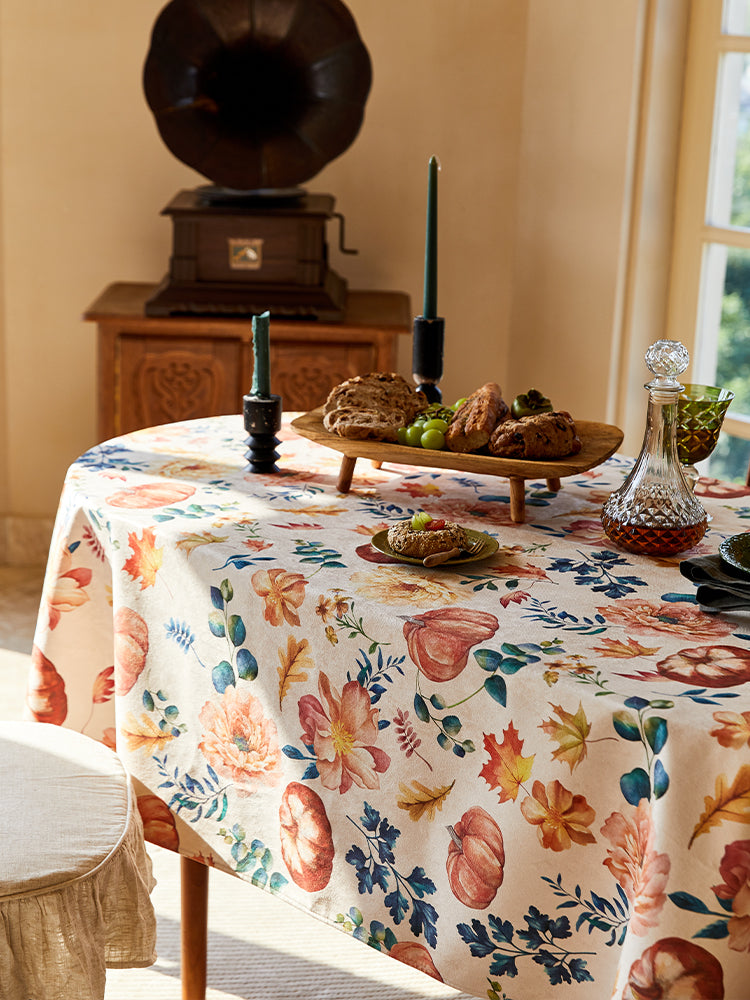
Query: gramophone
[{"x": 257, "y": 96}]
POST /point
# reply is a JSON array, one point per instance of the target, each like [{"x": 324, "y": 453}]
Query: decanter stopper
[
  {"x": 665, "y": 359},
  {"x": 655, "y": 512}
]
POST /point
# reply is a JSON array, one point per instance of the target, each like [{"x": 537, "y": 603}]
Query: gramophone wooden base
[{"x": 325, "y": 302}]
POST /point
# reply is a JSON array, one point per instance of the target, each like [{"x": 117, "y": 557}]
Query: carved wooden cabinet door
[{"x": 161, "y": 380}]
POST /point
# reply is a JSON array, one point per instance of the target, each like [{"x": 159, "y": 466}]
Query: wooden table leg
[
  {"x": 345, "y": 473},
  {"x": 194, "y": 927},
  {"x": 554, "y": 485},
  {"x": 517, "y": 499}
]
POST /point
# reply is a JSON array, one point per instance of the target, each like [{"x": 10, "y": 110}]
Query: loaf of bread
[
  {"x": 543, "y": 435},
  {"x": 407, "y": 541},
  {"x": 476, "y": 418},
  {"x": 372, "y": 406}
]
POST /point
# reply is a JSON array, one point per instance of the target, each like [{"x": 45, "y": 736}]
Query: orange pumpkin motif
[
  {"x": 46, "y": 700},
  {"x": 476, "y": 858},
  {"x": 148, "y": 495},
  {"x": 158, "y": 822},
  {"x": 674, "y": 967},
  {"x": 306, "y": 841},
  {"x": 439, "y": 641},
  {"x": 131, "y": 647}
]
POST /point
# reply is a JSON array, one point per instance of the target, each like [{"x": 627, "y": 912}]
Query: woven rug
[{"x": 261, "y": 948}]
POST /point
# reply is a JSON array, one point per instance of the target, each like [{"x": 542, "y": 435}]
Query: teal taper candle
[
  {"x": 429, "y": 306},
  {"x": 261, "y": 356}
]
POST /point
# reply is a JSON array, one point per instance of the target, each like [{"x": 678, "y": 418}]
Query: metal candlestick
[
  {"x": 262, "y": 420},
  {"x": 427, "y": 356}
]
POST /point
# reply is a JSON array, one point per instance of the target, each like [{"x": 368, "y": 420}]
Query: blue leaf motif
[{"x": 635, "y": 785}]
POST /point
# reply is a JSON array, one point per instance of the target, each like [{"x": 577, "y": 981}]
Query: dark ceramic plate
[
  {"x": 736, "y": 551},
  {"x": 380, "y": 542}
]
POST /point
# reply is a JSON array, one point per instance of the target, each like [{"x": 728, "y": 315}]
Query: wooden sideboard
[{"x": 155, "y": 370}]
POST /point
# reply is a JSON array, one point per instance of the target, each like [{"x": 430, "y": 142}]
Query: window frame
[{"x": 693, "y": 233}]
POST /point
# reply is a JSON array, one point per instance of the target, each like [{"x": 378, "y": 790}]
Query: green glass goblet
[{"x": 700, "y": 413}]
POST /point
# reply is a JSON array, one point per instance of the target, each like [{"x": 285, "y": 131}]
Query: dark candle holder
[
  {"x": 262, "y": 420},
  {"x": 427, "y": 356}
]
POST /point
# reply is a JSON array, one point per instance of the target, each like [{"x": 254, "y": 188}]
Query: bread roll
[{"x": 476, "y": 418}]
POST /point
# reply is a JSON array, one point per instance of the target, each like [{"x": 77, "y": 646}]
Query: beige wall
[{"x": 527, "y": 103}]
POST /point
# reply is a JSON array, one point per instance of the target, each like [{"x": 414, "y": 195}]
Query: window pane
[
  {"x": 733, "y": 348},
  {"x": 730, "y": 459},
  {"x": 729, "y": 186},
  {"x": 737, "y": 17},
  {"x": 722, "y": 355}
]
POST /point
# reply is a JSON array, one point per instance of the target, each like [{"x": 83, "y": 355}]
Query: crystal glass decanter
[{"x": 655, "y": 512}]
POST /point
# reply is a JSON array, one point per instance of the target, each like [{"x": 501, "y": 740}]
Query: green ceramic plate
[
  {"x": 380, "y": 542},
  {"x": 736, "y": 551}
]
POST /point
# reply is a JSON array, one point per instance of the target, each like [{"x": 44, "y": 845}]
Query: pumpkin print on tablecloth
[
  {"x": 675, "y": 968},
  {"x": 306, "y": 841},
  {"x": 708, "y": 666},
  {"x": 158, "y": 822},
  {"x": 439, "y": 641},
  {"x": 476, "y": 858},
  {"x": 131, "y": 647},
  {"x": 46, "y": 700},
  {"x": 148, "y": 495}
]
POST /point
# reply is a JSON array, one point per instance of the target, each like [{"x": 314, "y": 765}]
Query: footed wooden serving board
[{"x": 598, "y": 441}]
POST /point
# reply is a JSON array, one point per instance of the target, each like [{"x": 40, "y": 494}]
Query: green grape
[
  {"x": 401, "y": 435},
  {"x": 413, "y": 435},
  {"x": 436, "y": 424},
  {"x": 434, "y": 439},
  {"x": 420, "y": 519}
]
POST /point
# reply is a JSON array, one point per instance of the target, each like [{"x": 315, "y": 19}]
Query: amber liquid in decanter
[{"x": 655, "y": 512}]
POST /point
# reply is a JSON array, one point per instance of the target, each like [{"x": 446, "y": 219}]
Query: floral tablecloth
[{"x": 528, "y": 776}]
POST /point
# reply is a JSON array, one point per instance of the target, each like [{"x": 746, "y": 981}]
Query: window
[{"x": 709, "y": 300}]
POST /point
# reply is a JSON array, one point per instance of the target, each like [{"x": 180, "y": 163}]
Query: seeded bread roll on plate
[{"x": 407, "y": 541}]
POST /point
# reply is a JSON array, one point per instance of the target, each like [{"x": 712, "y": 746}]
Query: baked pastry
[
  {"x": 476, "y": 418},
  {"x": 372, "y": 406},
  {"x": 544, "y": 435},
  {"x": 407, "y": 541}
]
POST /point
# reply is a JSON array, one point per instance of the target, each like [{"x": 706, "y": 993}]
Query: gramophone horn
[{"x": 257, "y": 94}]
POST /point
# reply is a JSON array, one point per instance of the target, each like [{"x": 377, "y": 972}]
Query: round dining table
[{"x": 524, "y": 772}]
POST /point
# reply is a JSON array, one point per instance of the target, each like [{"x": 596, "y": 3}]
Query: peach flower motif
[
  {"x": 735, "y": 870},
  {"x": 588, "y": 531},
  {"x": 654, "y": 618},
  {"x": 283, "y": 593},
  {"x": 240, "y": 742},
  {"x": 68, "y": 591},
  {"x": 733, "y": 730},
  {"x": 562, "y": 818},
  {"x": 343, "y": 736},
  {"x": 131, "y": 648},
  {"x": 400, "y": 586},
  {"x": 640, "y": 870}
]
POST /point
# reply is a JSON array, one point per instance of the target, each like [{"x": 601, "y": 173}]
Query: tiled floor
[{"x": 20, "y": 593}]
